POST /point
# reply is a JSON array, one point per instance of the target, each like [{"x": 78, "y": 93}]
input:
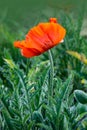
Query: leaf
[
  {"x": 37, "y": 117},
  {"x": 80, "y": 96},
  {"x": 26, "y": 118},
  {"x": 62, "y": 92},
  {"x": 10, "y": 63},
  {"x": 8, "y": 120},
  {"x": 65, "y": 124},
  {"x": 80, "y": 119},
  {"x": 44, "y": 88},
  {"x": 30, "y": 125},
  {"x": 80, "y": 57},
  {"x": 60, "y": 97},
  {"x": 81, "y": 108},
  {"x": 7, "y": 116},
  {"x": 44, "y": 126}
]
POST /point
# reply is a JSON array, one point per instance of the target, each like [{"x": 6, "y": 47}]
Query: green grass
[{"x": 26, "y": 101}]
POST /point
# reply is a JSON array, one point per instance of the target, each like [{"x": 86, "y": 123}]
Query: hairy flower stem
[{"x": 51, "y": 74}]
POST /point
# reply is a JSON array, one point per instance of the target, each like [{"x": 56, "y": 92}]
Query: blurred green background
[{"x": 27, "y": 12}]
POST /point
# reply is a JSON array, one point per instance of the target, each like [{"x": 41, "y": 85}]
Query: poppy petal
[
  {"x": 54, "y": 31},
  {"x": 38, "y": 39},
  {"x": 19, "y": 44},
  {"x": 28, "y": 52}
]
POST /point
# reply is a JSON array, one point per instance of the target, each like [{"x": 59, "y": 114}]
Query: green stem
[
  {"x": 27, "y": 67},
  {"x": 50, "y": 89}
]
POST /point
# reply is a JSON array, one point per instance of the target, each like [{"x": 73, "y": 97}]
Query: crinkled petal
[
  {"x": 19, "y": 44},
  {"x": 38, "y": 39},
  {"x": 54, "y": 31},
  {"x": 28, "y": 52}
]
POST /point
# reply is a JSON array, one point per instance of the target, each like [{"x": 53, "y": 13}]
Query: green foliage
[{"x": 23, "y": 108}]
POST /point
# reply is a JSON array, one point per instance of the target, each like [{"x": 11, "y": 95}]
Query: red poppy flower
[{"x": 41, "y": 38}]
